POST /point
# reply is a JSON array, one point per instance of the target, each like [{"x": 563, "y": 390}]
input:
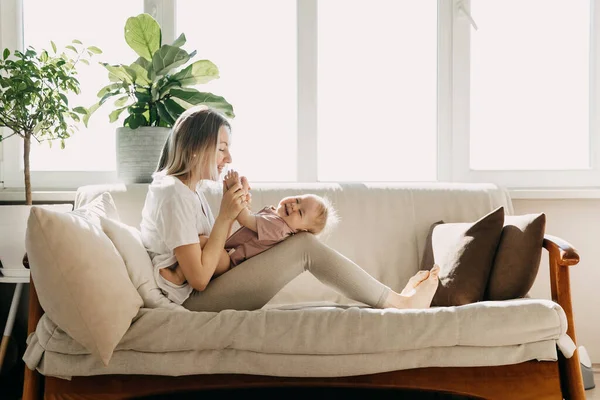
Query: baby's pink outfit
[{"x": 245, "y": 243}]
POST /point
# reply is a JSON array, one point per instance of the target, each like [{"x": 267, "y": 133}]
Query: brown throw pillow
[
  {"x": 465, "y": 252},
  {"x": 518, "y": 257}
]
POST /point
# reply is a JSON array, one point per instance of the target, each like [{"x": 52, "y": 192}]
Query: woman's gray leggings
[{"x": 251, "y": 284}]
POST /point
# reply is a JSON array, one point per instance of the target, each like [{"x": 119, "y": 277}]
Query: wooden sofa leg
[{"x": 33, "y": 386}]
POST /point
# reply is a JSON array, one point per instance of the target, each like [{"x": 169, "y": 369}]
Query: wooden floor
[{"x": 594, "y": 394}]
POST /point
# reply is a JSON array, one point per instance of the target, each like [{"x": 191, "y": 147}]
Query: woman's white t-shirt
[{"x": 173, "y": 216}]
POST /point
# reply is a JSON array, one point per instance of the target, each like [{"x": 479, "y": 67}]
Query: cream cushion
[
  {"x": 80, "y": 277},
  {"x": 128, "y": 242}
]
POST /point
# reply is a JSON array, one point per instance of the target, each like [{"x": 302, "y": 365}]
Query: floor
[{"x": 594, "y": 394}]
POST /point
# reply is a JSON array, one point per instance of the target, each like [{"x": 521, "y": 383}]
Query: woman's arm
[
  {"x": 224, "y": 260},
  {"x": 199, "y": 265}
]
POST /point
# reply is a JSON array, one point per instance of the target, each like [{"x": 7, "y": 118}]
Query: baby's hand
[{"x": 231, "y": 178}]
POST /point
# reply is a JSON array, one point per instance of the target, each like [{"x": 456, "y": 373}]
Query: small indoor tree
[{"x": 33, "y": 96}]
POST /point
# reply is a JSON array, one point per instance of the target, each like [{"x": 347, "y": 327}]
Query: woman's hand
[{"x": 233, "y": 201}]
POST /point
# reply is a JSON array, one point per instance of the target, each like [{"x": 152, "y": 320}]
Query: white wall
[{"x": 578, "y": 222}]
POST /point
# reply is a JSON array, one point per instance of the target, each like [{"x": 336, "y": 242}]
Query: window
[
  {"x": 94, "y": 23},
  {"x": 377, "y": 76},
  {"x": 256, "y": 56},
  {"x": 530, "y": 86}
]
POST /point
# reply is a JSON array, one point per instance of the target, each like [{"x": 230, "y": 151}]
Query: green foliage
[
  {"x": 157, "y": 87},
  {"x": 33, "y": 91}
]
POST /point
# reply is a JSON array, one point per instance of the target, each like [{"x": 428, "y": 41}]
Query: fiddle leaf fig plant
[
  {"x": 157, "y": 87},
  {"x": 33, "y": 96}
]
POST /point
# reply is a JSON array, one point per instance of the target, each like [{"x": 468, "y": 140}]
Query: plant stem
[{"x": 27, "y": 148}]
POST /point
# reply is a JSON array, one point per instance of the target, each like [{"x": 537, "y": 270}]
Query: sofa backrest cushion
[
  {"x": 383, "y": 226},
  {"x": 80, "y": 277},
  {"x": 518, "y": 257},
  {"x": 465, "y": 253}
]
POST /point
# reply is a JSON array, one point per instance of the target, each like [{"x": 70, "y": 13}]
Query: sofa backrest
[{"x": 383, "y": 226}]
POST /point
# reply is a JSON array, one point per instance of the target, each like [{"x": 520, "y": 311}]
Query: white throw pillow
[
  {"x": 102, "y": 205},
  {"x": 128, "y": 241},
  {"x": 80, "y": 277}
]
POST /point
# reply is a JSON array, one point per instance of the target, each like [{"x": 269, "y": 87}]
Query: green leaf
[
  {"x": 109, "y": 88},
  {"x": 142, "y": 34},
  {"x": 141, "y": 75},
  {"x": 64, "y": 98},
  {"x": 6, "y": 53},
  {"x": 143, "y": 97},
  {"x": 71, "y": 48},
  {"x": 53, "y": 46},
  {"x": 180, "y": 41},
  {"x": 136, "y": 120},
  {"x": 114, "y": 116},
  {"x": 77, "y": 41},
  {"x": 80, "y": 110},
  {"x": 174, "y": 109},
  {"x": 90, "y": 111},
  {"x": 86, "y": 62},
  {"x": 202, "y": 71},
  {"x": 168, "y": 58},
  {"x": 164, "y": 114},
  {"x": 120, "y": 73},
  {"x": 121, "y": 101},
  {"x": 94, "y": 50},
  {"x": 194, "y": 97}
]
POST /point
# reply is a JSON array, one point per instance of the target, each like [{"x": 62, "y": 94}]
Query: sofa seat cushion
[{"x": 313, "y": 331}]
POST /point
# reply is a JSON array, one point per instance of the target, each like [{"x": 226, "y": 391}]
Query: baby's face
[{"x": 299, "y": 212}]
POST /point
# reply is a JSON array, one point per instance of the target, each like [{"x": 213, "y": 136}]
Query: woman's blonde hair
[{"x": 193, "y": 141}]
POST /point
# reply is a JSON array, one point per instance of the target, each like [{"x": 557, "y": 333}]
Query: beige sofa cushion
[
  {"x": 128, "y": 242},
  {"x": 465, "y": 253},
  {"x": 518, "y": 257},
  {"x": 80, "y": 278}
]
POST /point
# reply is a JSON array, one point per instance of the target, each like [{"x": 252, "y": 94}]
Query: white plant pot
[{"x": 138, "y": 152}]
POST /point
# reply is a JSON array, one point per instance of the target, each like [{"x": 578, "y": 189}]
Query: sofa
[{"x": 308, "y": 335}]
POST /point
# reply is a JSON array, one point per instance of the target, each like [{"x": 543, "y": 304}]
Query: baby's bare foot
[
  {"x": 414, "y": 281},
  {"x": 245, "y": 184},
  {"x": 231, "y": 178}
]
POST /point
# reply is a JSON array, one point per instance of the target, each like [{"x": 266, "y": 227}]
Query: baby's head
[{"x": 307, "y": 213}]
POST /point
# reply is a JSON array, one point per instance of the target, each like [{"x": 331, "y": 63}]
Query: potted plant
[
  {"x": 152, "y": 91},
  {"x": 33, "y": 96}
]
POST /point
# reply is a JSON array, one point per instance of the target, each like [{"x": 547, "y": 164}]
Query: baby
[{"x": 262, "y": 230}]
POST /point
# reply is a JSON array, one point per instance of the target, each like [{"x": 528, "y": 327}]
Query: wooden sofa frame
[{"x": 529, "y": 380}]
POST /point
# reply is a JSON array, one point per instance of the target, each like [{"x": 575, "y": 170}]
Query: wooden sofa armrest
[{"x": 562, "y": 255}]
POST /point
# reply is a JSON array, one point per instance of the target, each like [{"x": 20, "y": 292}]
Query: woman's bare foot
[
  {"x": 414, "y": 281},
  {"x": 420, "y": 296}
]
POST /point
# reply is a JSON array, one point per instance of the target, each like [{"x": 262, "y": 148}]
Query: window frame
[
  {"x": 461, "y": 117},
  {"x": 453, "y": 65}
]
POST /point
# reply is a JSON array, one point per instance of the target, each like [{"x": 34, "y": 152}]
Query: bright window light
[
  {"x": 377, "y": 90},
  {"x": 253, "y": 43},
  {"x": 95, "y": 23},
  {"x": 530, "y": 85}
]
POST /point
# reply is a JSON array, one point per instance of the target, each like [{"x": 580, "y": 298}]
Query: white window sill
[
  {"x": 13, "y": 195},
  {"x": 37, "y": 195},
  {"x": 555, "y": 194}
]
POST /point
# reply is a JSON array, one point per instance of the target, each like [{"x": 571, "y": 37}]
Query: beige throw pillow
[
  {"x": 128, "y": 242},
  {"x": 518, "y": 257},
  {"x": 464, "y": 252},
  {"x": 80, "y": 277}
]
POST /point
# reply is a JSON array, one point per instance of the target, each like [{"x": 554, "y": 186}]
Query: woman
[{"x": 176, "y": 213}]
